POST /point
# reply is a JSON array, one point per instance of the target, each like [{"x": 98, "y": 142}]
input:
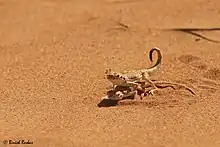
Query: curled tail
[{"x": 155, "y": 67}]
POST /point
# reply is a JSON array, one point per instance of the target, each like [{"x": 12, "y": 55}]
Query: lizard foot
[{"x": 152, "y": 91}]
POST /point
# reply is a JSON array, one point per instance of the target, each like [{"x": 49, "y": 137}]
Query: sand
[{"x": 54, "y": 54}]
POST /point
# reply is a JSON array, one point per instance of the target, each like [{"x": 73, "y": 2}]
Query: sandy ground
[{"x": 54, "y": 54}]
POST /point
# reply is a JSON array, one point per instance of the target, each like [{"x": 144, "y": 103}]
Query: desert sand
[{"x": 54, "y": 54}]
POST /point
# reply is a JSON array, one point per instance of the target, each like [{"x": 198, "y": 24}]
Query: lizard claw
[{"x": 152, "y": 91}]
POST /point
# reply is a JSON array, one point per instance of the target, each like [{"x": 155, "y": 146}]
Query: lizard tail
[{"x": 155, "y": 67}]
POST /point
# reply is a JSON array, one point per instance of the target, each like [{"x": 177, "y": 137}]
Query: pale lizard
[{"x": 130, "y": 78}]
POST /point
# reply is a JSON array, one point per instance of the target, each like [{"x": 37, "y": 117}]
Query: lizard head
[{"x": 115, "y": 78}]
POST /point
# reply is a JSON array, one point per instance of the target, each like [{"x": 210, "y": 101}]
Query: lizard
[{"x": 130, "y": 78}]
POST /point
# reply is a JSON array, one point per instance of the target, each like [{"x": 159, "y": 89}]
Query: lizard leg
[{"x": 146, "y": 79}]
